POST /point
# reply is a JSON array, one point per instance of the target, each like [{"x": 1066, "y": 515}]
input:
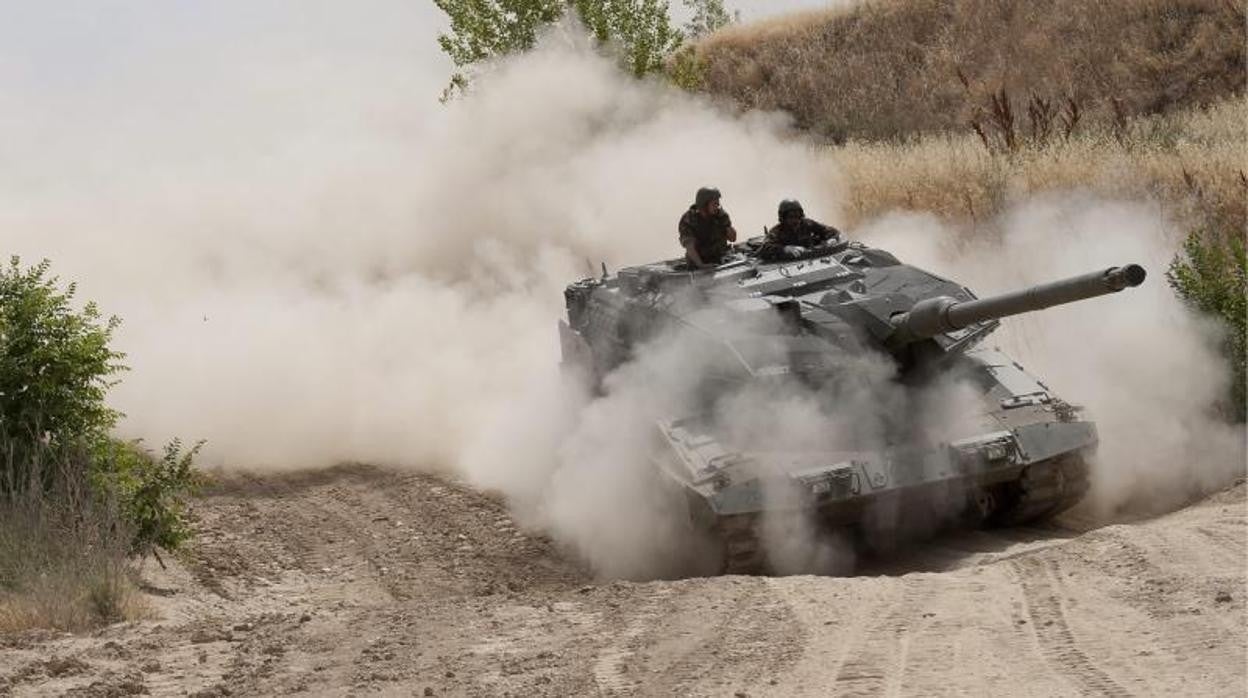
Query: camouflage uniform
[
  {"x": 708, "y": 233},
  {"x": 807, "y": 233}
]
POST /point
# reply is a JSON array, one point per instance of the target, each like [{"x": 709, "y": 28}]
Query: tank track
[
  {"x": 741, "y": 552},
  {"x": 1044, "y": 490}
]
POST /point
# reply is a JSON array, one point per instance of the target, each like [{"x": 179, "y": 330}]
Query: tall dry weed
[
  {"x": 63, "y": 549},
  {"x": 1193, "y": 163}
]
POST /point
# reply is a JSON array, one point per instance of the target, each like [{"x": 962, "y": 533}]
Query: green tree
[
  {"x": 1211, "y": 275},
  {"x": 55, "y": 362},
  {"x": 685, "y": 67},
  {"x": 641, "y": 28},
  {"x": 485, "y": 29},
  {"x": 709, "y": 16}
]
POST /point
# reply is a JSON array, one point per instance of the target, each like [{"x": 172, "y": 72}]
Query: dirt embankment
[{"x": 356, "y": 580}]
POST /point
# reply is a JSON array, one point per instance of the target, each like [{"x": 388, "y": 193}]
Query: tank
[{"x": 1021, "y": 454}]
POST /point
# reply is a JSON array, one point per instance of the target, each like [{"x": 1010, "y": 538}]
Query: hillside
[{"x": 887, "y": 68}]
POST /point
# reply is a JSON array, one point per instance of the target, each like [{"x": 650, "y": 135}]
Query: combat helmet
[
  {"x": 790, "y": 206},
  {"x": 704, "y": 196}
]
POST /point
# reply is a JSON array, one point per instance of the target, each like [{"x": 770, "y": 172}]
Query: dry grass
[
  {"x": 63, "y": 552},
  {"x": 887, "y": 68},
  {"x": 1192, "y": 162},
  {"x": 65, "y": 586}
]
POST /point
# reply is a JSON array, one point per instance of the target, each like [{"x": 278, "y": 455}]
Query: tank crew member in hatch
[
  {"x": 795, "y": 234},
  {"x": 705, "y": 230}
]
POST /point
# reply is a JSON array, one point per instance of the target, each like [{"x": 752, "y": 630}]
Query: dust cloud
[{"x": 317, "y": 263}]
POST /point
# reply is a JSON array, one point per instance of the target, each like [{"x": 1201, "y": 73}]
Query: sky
[{"x": 73, "y": 50}]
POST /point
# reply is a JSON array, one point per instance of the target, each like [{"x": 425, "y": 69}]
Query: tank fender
[
  {"x": 1047, "y": 440},
  {"x": 738, "y": 498}
]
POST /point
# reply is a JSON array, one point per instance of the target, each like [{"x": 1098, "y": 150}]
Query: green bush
[
  {"x": 55, "y": 362},
  {"x": 56, "y": 367},
  {"x": 151, "y": 492},
  {"x": 686, "y": 69},
  {"x": 1211, "y": 275}
]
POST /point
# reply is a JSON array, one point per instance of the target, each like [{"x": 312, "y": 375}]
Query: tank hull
[
  {"x": 1019, "y": 453},
  {"x": 1029, "y": 463}
]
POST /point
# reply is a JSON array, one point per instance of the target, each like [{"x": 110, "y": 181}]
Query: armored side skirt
[{"x": 843, "y": 486}]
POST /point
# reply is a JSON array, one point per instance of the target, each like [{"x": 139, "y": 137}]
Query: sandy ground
[{"x": 357, "y": 581}]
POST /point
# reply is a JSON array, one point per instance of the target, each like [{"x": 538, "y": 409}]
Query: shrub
[
  {"x": 1211, "y": 274},
  {"x": 55, "y": 362},
  {"x": 151, "y": 493},
  {"x": 686, "y": 69},
  {"x": 75, "y": 502}
]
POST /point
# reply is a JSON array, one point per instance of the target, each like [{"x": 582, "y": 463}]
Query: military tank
[{"x": 1022, "y": 455}]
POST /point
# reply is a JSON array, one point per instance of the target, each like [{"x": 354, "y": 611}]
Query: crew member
[
  {"x": 795, "y": 235},
  {"x": 706, "y": 230}
]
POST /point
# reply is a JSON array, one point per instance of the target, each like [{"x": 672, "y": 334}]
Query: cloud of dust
[
  {"x": 1145, "y": 368},
  {"x": 316, "y": 263}
]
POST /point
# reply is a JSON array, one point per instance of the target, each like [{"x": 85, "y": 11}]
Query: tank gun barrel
[{"x": 934, "y": 316}]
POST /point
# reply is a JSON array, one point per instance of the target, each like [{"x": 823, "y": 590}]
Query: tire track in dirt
[
  {"x": 699, "y": 637},
  {"x": 1229, "y": 540},
  {"x": 756, "y": 634},
  {"x": 610, "y": 664},
  {"x": 876, "y": 664},
  {"x": 1036, "y": 576}
]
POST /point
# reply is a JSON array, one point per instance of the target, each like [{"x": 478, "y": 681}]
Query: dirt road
[{"x": 360, "y": 581}]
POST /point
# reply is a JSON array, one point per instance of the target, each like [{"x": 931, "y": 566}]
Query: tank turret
[{"x": 932, "y": 316}]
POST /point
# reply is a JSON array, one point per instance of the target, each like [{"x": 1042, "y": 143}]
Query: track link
[
  {"x": 1046, "y": 489},
  {"x": 742, "y": 552}
]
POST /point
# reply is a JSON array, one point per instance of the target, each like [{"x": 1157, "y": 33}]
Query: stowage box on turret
[{"x": 1024, "y": 459}]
